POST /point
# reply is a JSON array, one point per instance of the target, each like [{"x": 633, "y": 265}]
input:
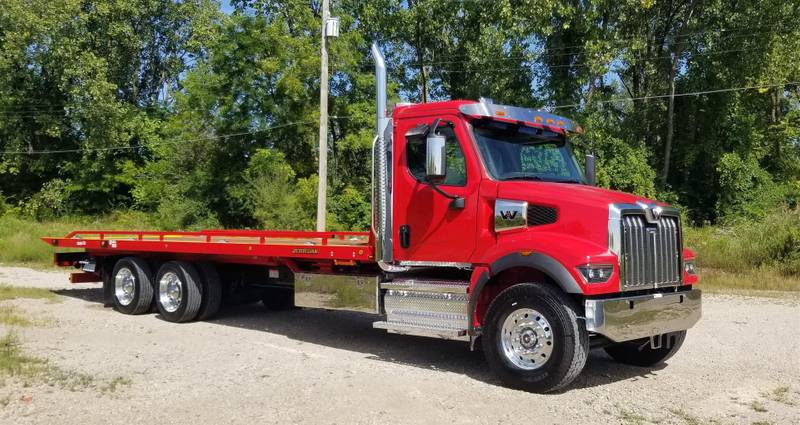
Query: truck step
[
  {"x": 426, "y": 307},
  {"x": 428, "y": 285},
  {"x": 428, "y": 331}
]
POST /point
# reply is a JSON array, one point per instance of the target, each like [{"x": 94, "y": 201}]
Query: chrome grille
[{"x": 651, "y": 252}]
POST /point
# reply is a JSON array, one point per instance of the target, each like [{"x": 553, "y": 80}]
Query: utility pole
[{"x": 322, "y": 188}]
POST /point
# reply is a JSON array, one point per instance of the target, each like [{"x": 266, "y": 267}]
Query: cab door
[{"x": 429, "y": 226}]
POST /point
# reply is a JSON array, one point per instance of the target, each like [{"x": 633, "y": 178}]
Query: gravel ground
[{"x": 739, "y": 365}]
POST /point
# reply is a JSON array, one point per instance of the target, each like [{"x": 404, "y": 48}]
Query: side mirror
[
  {"x": 589, "y": 170},
  {"x": 435, "y": 158}
]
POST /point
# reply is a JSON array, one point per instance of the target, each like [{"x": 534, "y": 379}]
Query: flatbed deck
[{"x": 244, "y": 246}]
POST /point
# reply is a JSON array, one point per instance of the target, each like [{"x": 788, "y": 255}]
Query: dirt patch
[{"x": 311, "y": 366}]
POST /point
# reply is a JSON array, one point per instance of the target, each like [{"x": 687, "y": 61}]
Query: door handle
[{"x": 405, "y": 236}]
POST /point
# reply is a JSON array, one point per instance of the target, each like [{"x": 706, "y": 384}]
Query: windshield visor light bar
[{"x": 524, "y": 116}]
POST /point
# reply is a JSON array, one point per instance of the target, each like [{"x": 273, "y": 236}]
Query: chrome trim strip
[
  {"x": 466, "y": 266},
  {"x": 629, "y": 318}
]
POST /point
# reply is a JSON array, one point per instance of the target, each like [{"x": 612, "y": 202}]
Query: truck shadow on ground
[{"x": 353, "y": 332}]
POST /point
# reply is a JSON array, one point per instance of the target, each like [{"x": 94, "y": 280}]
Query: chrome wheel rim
[
  {"x": 124, "y": 286},
  {"x": 527, "y": 339},
  {"x": 170, "y": 291}
]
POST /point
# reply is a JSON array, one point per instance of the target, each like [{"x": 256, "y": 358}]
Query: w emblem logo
[{"x": 508, "y": 215}]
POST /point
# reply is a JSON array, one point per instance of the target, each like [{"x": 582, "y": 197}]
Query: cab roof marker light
[{"x": 486, "y": 109}]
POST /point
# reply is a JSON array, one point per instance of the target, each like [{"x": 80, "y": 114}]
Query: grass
[
  {"x": 20, "y": 243},
  {"x": 632, "y": 418},
  {"x": 10, "y": 316},
  {"x": 8, "y": 292},
  {"x": 115, "y": 384},
  {"x": 687, "y": 418},
  {"x": 14, "y": 363},
  {"x": 761, "y": 282},
  {"x": 772, "y": 243},
  {"x": 758, "y": 406},
  {"x": 779, "y": 395}
]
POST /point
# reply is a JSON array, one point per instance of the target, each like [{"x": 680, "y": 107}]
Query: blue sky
[{"x": 226, "y": 6}]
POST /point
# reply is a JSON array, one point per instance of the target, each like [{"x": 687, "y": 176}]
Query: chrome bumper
[{"x": 624, "y": 319}]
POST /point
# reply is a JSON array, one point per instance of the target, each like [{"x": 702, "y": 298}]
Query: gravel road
[{"x": 740, "y": 365}]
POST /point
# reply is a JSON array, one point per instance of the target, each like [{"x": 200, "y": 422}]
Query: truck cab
[{"x": 492, "y": 197}]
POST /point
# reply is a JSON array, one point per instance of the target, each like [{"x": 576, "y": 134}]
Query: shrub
[
  {"x": 746, "y": 190},
  {"x": 773, "y": 242},
  {"x": 3, "y": 205},
  {"x": 50, "y": 202}
]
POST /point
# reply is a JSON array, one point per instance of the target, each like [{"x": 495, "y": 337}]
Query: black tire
[
  {"x": 639, "y": 352},
  {"x": 212, "y": 291},
  {"x": 142, "y": 286},
  {"x": 190, "y": 286},
  {"x": 277, "y": 299},
  {"x": 569, "y": 339}
]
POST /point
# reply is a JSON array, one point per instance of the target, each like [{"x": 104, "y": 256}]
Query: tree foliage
[{"x": 204, "y": 118}]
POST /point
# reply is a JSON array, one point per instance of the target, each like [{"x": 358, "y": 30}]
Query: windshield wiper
[
  {"x": 541, "y": 179},
  {"x": 537, "y": 178}
]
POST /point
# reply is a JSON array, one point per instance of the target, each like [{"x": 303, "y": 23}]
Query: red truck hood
[
  {"x": 582, "y": 210},
  {"x": 588, "y": 196}
]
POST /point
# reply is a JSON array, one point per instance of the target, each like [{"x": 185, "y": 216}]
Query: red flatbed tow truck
[{"x": 485, "y": 230}]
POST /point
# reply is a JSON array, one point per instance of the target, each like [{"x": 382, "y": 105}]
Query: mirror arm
[
  {"x": 457, "y": 202},
  {"x": 432, "y": 127}
]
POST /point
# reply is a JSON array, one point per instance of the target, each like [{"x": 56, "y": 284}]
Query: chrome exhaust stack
[{"x": 381, "y": 171}]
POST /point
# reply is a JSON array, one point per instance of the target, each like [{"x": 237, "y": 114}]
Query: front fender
[{"x": 554, "y": 254}]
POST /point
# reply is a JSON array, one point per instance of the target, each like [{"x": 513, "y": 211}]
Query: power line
[
  {"x": 32, "y": 114},
  {"x": 223, "y": 136},
  {"x": 543, "y": 53},
  {"x": 585, "y": 64},
  {"x": 163, "y": 142},
  {"x": 695, "y": 93},
  {"x": 727, "y": 34}
]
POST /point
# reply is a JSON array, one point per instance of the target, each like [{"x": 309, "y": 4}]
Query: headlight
[
  {"x": 688, "y": 266},
  {"x": 596, "y": 273}
]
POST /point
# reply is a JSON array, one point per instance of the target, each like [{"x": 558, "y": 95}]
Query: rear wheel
[
  {"x": 533, "y": 339},
  {"x": 212, "y": 291},
  {"x": 640, "y": 352},
  {"x": 132, "y": 288},
  {"x": 179, "y": 291}
]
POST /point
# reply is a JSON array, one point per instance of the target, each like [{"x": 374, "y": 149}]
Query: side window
[{"x": 456, "y": 164}]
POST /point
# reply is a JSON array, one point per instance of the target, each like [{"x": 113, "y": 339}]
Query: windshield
[{"x": 515, "y": 152}]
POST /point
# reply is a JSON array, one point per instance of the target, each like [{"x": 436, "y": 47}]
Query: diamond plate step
[
  {"x": 426, "y": 307},
  {"x": 428, "y": 331}
]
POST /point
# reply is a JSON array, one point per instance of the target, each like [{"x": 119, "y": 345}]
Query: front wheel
[
  {"x": 640, "y": 352},
  {"x": 533, "y": 339}
]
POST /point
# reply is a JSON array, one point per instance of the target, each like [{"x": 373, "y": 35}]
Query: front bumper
[{"x": 627, "y": 318}]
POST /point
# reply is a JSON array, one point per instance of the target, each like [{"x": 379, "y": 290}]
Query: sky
[{"x": 226, "y": 6}]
